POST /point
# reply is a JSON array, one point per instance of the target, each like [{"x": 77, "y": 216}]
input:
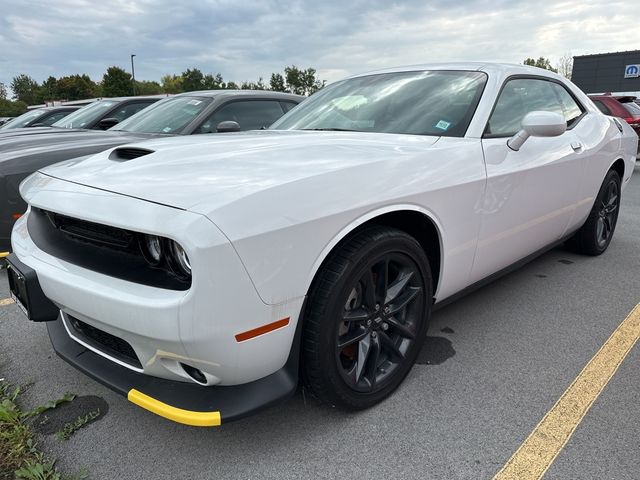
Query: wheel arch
[
  {"x": 414, "y": 220},
  {"x": 619, "y": 167}
]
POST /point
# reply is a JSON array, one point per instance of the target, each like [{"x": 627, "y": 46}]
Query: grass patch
[
  {"x": 72, "y": 427},
  {"x": 19, "y": 454}
]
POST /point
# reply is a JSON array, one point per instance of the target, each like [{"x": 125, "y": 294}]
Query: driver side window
[{"x": 519, "y": 97}]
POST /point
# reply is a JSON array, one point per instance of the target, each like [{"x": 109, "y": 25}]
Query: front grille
[
  {"x": 105, "y": 342},
  {"x": 101, "y": 248},
  {"x": 97, "y": 233}
]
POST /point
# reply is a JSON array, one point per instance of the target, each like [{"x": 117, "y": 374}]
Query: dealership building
[{"x": 618, "y": 73}]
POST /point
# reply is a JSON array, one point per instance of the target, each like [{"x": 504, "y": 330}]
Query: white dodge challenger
[{"x": 200, "y": 277}]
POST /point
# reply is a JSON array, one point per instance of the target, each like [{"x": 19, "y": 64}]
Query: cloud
[{"x": 245, "y": 40}]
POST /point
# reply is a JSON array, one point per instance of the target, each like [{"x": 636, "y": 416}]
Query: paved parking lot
[{"x": 495, "y": 363}]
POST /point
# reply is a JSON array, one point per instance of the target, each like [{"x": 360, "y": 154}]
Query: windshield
[
  {"x": 417, "y": 103},
  {"x": 86, "y": 115},
  {"x": 168, "y": 116},
  {"x": 22, "y": 120}
]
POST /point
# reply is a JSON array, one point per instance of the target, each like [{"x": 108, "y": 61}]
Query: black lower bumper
[{"x": 178, "y": 401}]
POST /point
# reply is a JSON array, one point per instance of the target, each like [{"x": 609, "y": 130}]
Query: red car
[{"x": 623, "y": 107}]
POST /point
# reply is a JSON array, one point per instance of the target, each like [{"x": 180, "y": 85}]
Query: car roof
[
  {"x": 489, "y": 67},
  {"x": 241, "y": 93}
]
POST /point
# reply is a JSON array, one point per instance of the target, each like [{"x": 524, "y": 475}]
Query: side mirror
[
  {"x": 228, "y": 126},
  {"x": 538, "y": 124},
  {"x": 107, "y": 123}
]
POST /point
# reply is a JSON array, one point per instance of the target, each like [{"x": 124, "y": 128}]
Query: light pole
[{"x": 133, "y": 74}]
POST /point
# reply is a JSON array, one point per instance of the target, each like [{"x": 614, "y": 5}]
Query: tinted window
[
  {"x": 168, "y": 116},
  {"x": 86, "y": 115},
  {"x": 570, "y": 108},
  {"x": 249, "y": 114},
  {"x": 601, "y": 106},
  {"x": 419, "y": 103},
  {"x": 127, "y": 110},
  {"x": 286, "y": 106},
  {"x": 524, "y": 95},
  {"x": 53, "y": 118}
]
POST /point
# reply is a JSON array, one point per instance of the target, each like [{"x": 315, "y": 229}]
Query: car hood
[
  {"x": 19, "y": 132},
  {"x": 12, "y": 146},
  {"x": 203, "y": 172}
]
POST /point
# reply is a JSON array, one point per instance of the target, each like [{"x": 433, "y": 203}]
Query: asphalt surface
[{"x": 496, "y": 362}]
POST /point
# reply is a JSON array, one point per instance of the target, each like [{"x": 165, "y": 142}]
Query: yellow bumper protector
[
  {"x": 187, "y": 417},
  {"x": 4, "y": 254}
]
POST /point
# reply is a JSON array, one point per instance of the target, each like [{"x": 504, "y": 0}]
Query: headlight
[
  {"x": 152, "y": 249},
  {"x": 178, "y": 260},
  {"x": 166, "y": 254}
]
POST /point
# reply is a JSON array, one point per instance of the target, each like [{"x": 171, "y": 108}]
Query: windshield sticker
[
  {"x": 195, "y": 102},
  {"x": 442, "y": 125},
  {"x": 166, "y": 129}
]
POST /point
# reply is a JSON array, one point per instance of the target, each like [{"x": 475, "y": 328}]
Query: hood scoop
[{"x": 128, "y": 153}]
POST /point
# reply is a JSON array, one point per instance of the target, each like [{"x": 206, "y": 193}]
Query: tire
[
  {"x": 354, "y": 356},
  {"x": 594, "y": 236}
]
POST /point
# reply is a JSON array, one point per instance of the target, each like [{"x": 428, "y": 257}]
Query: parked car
[
  {"x": 184, "y": 114},
  {"x": 4, "y": 120},
  {"x": 99, "y": 115},
  {"x": 39, "y": 117},
  {"x": 616, "y": 106},
  {"x": 198, "y": 275}
]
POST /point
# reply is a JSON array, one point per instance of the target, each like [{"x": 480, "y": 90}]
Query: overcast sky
[{"x": 243, "y": 40}]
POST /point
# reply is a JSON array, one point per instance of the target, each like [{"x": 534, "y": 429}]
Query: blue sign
[{"x": 632, "y": 71}]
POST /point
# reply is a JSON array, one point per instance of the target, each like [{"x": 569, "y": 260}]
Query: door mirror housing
[
  {"x": 107, "y": 123},
  {"x": 538, "y": 124},
  {"x": 228, "y": 126}
]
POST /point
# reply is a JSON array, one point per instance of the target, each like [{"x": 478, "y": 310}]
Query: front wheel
[
  {"x": 366, "y": 318},
  {"x": 594, "y": 236}
]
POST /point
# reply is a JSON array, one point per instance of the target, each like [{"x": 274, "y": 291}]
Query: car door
[{"x": 531, "y": 193}]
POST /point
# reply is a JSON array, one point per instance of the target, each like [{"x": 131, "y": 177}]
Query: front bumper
[
  {"x": 177, "y": 401},
  {"x": 167, "y": 329}
]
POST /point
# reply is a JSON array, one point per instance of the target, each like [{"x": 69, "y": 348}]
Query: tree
[
  {"x": 12, "y": 109},
  {"x": 301, "y": 82},
  {"x": 540, "y": 63},
  {"x": 277, "y": 83},
  {"x": 192, "y": 80},
  {"x": 49, "y": 90},
  {"x": 116, "y": 83},
  {"x": 232, "y": 86},
  {"x": 172, "y": 84},
  {"x": 259, "y": 85},
  {"x": 565, "y": 65},
  {"x": 146, "y": 87},
  {"x": 213, "y": 82},
  {"x": 3, "y": 92},
  {"x": 25, "y": 89},
  {"x": 77, "y": 87}
]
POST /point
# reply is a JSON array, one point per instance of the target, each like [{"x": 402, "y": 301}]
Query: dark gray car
[
  {"x": 39, "y": 117},
  {"x": 183, "y": 114}
]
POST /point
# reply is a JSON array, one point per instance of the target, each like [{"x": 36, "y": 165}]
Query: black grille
[
  {"x": 105, "y": 342},
  {"x": 101, "y": 248},
  {"x": 104, "y": 235},
  {"x": 127, "y": 153}
]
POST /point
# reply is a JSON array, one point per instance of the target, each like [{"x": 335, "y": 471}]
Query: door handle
[{"x": 577, "y": 146}]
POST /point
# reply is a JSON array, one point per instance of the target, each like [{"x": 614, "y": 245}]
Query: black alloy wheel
[
  {"x": 594, "y": 236},
  {"x": 366, "y": 318}
]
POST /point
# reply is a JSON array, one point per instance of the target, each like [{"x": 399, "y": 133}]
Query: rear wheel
[
  {"x": 366, "y": 318},
  {"x": 594, "y": 236}
]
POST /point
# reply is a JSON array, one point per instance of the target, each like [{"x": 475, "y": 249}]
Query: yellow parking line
[
  {"x": 547, "y": 440},
  {"x": 6, "y": 301}
]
